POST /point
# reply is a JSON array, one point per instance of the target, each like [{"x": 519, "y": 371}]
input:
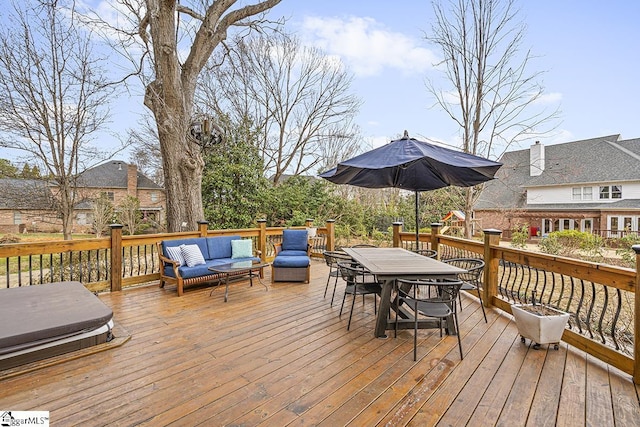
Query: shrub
[
  {"x": 569, "y": 242},
  {"x": 519, "y": 236},
  {"x": 9, "y": 238},
  {"x": 627, "y": 254}
]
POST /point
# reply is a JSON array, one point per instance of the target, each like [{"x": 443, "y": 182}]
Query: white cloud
[
  {"x": 553, "y": 98},
  {"x": 367, "y": 46}
]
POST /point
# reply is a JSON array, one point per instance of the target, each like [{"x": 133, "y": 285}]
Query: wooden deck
[{"x": 284, "y": 357}]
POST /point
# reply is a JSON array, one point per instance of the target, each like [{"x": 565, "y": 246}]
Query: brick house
[
  {"x": 589, "y": 185},
  {"x": 25, "y": 205}
]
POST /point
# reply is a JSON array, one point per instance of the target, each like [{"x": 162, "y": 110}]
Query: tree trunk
[
  {"x": 170, "y": 98},
  {"x": 182, "y": 162},
  {"x": 468, "y": 212}
]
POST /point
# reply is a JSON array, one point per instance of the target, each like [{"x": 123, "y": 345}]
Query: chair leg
[
  {"x": 415, "y": 332},
  {"x": 482, "y": 306},
  {"x": 395, "y": 303},
  {"x": 353, "y": 303},
  {"x": 326, "y": 288},
  {"x": 335, "y": 286},
  {"x": 344, "y": 298},
  {"x": 455, "y": 318}
]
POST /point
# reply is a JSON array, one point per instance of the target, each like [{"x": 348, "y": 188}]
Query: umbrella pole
[{"x": 417, "y": 224}]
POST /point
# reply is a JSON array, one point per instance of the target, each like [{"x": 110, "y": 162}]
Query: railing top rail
[
  {"x": 48, "y": 247},
  {"x": 617, "y": 277}
]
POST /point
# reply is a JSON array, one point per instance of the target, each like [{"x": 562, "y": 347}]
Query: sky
[{"x": 588, "y": 51}]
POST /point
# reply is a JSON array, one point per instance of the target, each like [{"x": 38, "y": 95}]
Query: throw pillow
[
  {"x": 175, "y": 253},
  {"x": 241, "y": 248},
  {"x": 192, "y": 255}
]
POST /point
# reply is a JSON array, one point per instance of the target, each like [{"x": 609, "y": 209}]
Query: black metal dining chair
[
  {"x": 436, "y": 299},
  {"x": 332, "y": 258},
  {"x": 429, "y": 253},
  {"x": 359, "y": 282},
  {"x": 471, "y": 280}
]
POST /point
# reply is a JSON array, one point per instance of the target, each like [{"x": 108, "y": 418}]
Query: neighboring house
[
  {"x": 590, "y": 185},
  {"x": 27, "y": 203}
]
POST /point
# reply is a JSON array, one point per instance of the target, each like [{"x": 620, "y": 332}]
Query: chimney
[
  {"x": 132, "y": 180},
  {"x": 536, "y": 158}
]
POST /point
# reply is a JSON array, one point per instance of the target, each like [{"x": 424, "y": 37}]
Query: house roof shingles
[
  {"x": 603, "y": 159},
  {"x": 112, "y": 174}
]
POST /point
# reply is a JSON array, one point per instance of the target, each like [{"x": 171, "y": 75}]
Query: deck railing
[
  {"x": 117, "y": 261},
  {"x": 600, "y": 298}
]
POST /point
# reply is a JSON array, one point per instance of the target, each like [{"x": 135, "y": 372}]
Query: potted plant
[{"x": 539, "y": 323}]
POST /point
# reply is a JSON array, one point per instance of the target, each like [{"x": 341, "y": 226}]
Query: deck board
[{"x": 283, "y": 357}]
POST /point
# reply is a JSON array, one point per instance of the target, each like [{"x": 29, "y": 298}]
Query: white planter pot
[{"x": 541, "y": 329}]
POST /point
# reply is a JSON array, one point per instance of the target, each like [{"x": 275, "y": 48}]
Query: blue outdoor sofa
[{"x": 182, "y": 271}]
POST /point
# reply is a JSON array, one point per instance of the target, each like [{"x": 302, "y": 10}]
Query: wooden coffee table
[{"x": 239, "y": 269}]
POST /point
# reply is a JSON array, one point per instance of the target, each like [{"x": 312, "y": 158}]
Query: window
[
  {"x": 576, "y": 193},
  {"x": 611, "y": 192},
  {"x": 154, "y": 197},
  {"x": 616, "y": 191},
  {"x": 82, "y": 218},
  {"x": 17, "y": 217},
  {"x": 110, "y": 195},
  {"x": 614, "y": 223},
  {"x": 581, "y": 193}
]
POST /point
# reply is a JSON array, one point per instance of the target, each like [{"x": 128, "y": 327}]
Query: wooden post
[
  {"x": 262, "y": 239},
  {"x": 435, "y": 232},
  {"x": 636, "y": 332},
  {"x": 203, "y": 227},
  {"x": 308, "y": 222},
  {"x": 116, "y": 257},
  {"x": 397, "y": 229},
  {"x": 331, "y": 235},
  {"x": 490, "y": 285}
]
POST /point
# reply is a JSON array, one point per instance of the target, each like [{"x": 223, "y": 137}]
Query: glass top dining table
[{"x": 389, "y": 264}]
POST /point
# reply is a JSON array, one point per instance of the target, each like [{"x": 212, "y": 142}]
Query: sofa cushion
[
  {"x": 192, "y": 255},
  {"x": 295, "y": 240},
  {"x": 291, "y": 261},
  {"x": 241, "y": 248},
  {"x": 200, "y": 241},
  {"x": 220, "y": 246},
  {"x": 195, "y": 271},
  {"x": 292, "y": 253},
  {"x": 175, "y": 253}
]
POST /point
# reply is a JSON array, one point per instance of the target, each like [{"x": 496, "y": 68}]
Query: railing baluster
[
  {"x": 614, "y": 321},
  {"x": 602, "y": 314}
]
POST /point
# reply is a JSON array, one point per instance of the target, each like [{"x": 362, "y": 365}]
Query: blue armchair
[{"x": 292, "y": 262}]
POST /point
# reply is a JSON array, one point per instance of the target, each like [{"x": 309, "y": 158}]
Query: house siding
[
  {"x": 124, "y": 182},
  {"x": 516, "y": 197}
]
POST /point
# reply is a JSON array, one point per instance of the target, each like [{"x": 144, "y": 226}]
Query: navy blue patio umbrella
[{"x": 413, "y": 165}]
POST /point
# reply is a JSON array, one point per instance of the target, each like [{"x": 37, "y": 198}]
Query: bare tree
[
  {"x": 297, "y": 98},
  {"x": 128, "y": 211},
  {"x": 103, "y": 214},
  {"x": 53, "y": 96},
  {"x": 145, "y": 150},
  {"x": 494, "y": 99},
  {"x": 170, "y": 42}
]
